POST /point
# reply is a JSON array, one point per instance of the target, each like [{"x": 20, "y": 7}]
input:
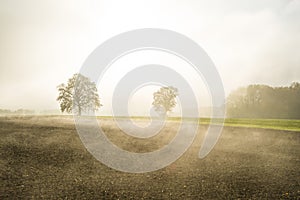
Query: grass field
[
  {"x": 277, "y": 124},
  {"x": 43, "y": 157}
]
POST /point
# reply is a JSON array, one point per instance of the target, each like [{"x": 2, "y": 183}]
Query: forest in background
[{"x": 263, "y": 101}]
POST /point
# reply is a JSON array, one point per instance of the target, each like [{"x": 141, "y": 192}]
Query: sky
[{"x": 43, "y": 43}]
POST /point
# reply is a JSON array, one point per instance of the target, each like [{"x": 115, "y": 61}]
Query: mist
[{"x": 43, "y": 43}]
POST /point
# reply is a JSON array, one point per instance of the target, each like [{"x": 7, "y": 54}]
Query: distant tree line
[
  {"x": 16, "y": 112},
  {"x": 263, "y": 101}
]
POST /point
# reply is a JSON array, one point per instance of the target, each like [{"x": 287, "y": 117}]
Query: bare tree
[
  {"x": 80, "y": 95},
  {"x": 164, "y": 100}
]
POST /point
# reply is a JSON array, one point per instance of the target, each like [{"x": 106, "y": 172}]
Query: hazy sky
[{"x": 44, "y": 42}]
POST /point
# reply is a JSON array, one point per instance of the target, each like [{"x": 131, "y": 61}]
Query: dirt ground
[{"x": 43, "y": 158}]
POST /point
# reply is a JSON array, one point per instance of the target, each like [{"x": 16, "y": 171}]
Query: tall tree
[
  {"x": 79, "y": 95},
  {"x": 164, "y": 100}
]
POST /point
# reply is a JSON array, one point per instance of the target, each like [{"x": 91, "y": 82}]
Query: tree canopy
[
  {"x": 164, "y": 100},
  {"x": 79, "y": 95}
]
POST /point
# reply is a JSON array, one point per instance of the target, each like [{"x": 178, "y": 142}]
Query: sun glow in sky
[{"x": 44, "y": 42}]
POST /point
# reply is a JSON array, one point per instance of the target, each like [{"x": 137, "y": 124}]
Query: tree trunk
[{"x": 79, "y": 110}]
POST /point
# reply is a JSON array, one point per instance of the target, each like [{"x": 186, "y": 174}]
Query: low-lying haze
[{"x": 44, "y": 42}]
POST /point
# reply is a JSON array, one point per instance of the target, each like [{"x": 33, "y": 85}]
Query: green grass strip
[{"x": 277, "y": 124}]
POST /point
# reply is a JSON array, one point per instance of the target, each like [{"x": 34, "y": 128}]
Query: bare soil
[{"x": 43, "y": 158}]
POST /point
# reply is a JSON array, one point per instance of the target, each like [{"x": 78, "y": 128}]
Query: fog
[{"x": 44, "y": 42}]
